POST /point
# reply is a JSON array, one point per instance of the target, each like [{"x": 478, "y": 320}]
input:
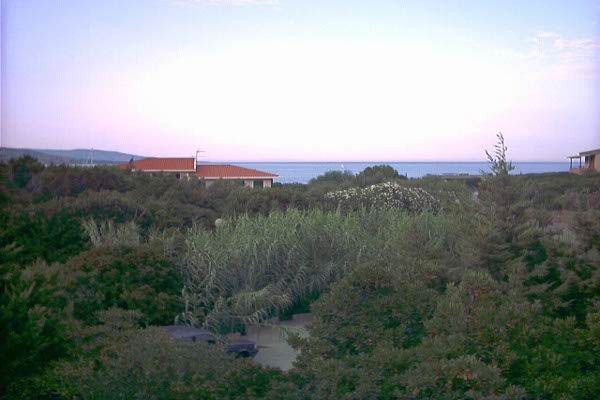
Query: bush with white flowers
[{"x": 385, "y": 195}]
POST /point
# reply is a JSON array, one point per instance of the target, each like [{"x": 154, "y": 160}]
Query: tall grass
[
  {"x": 252, "y": 268},
  {"x": 106, "y": 233}
]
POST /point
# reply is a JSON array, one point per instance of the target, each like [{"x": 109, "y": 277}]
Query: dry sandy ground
[{"x": 273, "y": 349}]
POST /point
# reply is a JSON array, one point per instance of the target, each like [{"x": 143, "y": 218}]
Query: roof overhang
[
  {"x": 191, "y": 171},
  {"x": 589, "y": 153},
  {"x": 237, "y": 177}
]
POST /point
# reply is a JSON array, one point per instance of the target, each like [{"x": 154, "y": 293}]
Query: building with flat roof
[{"x": 586, "y": 161}]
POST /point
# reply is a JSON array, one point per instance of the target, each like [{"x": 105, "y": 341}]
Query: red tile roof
[
  {"x": 230, "y": 172},
  {"x": 162, "y": 164}
]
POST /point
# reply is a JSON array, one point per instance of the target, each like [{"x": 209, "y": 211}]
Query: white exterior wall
[{"x": 249, "y": 183}]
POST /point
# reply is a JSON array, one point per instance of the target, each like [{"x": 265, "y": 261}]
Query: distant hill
[{"x": 76, "y": 156}]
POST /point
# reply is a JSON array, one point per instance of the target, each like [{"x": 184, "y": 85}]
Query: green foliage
[
  {"x": 409, "y": 345},
  {"x": 22, "y": 169},
  {"x": 377, "y": 174},
  {"x": 557, "y": 359},
  {"x": 108, "y": 234},
  {"x": 122, "y": 362},
  {"x": 373, "y": 304},
  {"x": 491, "y": 296},
  {"x": 26, "y": 238},
  {"x": 65, "y": 181},
  {"x": 251, "y": 268},
  {"x": 264, "y": 201},
  {"x": 132, "y": 278},
  {"x": 498, "y": 162},
  {"x": 337, "y": 177},
  {"x": 35, "y": 323},
  {"x": 384, "y": 195}
]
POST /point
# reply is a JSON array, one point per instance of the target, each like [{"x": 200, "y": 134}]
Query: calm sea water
[{"x": 302, "y": 172}]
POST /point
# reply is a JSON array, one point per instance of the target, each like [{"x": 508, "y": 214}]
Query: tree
[
  {"x": 377, "y": 174},
  {"x": 382, "y": 333},
  {"x": 338, "y": 177},
  {"x": 22, "y": 169},
  {"x": 499, "y": 165}
]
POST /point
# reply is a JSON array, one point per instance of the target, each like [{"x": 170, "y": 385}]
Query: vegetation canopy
[{"x": 419, "y": 288}]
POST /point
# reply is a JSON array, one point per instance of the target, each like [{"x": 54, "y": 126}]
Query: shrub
[
  {"x": 380, "y": 334},
  {"x": 265, "y": 201},
  {"x": 249, "y": 269},
  {"x": 372, "y": 304},
  {"x": 35, "y": 323},
  {"x": 27, "y": 238},
  {"x": 377, "y": 174},
  {"x": 63, "y": 181},
  {"x": 111, "y": 205},
  {"x": 385, "y": 195},
  {"x": 22, "y": 169},
  {"x": 131, "y": 278},
  {"x": 127, "y": 363},
  {"x": 337, "y": 177}
]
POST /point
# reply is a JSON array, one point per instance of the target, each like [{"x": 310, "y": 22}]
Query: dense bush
[
  {"x": 132, "y": 278},
  {"x": 35, "y": 323},
  {"x": 378, "y": 335},
  {"x": 22, "y": 170},
  {"x": 384, "y": 195},
  {"x": 483, "y": 291},
  {"x": 335, "y": 177},
  {"x": 377, "y": 174},
  {"x": 28, "y": 237},
  {"x": 265, "y": 201},
  {"x": 63, "y": 181},
  {"x": 120, "y": 361},
  {"x": 251, "y": 268}
]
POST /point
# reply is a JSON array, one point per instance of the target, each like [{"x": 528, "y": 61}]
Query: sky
[{"x": 302, "y": 80}]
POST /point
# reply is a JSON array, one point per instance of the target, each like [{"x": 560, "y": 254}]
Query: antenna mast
[{"x": 198, "y": 155}]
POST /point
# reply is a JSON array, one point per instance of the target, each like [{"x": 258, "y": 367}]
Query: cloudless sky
[{"x": 303, "y": 80}]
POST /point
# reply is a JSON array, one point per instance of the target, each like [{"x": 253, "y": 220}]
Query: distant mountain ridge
[{"x": 75, "y": 156}]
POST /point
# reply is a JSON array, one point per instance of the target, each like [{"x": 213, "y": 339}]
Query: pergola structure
[{"x": 571, "y": 158}]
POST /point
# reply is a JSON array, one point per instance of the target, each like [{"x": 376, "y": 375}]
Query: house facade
[
  {"x": 187, "y": 168},
  {"x": 586, "y": 161},
  {"x": 251, "y": 178}
]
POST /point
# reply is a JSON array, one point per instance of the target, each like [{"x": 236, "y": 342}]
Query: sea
[{"x": 302, "y": 172}]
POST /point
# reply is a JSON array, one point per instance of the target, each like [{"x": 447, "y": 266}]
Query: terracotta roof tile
[
  {"x": 162, "y": 164},
  {"x": 230, "y": 172}
]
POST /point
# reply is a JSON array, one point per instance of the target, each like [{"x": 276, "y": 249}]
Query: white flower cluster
[{"x": 385, "y": 195}]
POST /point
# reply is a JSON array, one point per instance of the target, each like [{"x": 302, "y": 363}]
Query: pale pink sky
[{"x": 251, "y": 80}]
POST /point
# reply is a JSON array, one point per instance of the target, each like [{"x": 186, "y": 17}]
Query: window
[{"x": 258, "y": 184}]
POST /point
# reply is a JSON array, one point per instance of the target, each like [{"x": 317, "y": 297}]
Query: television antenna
[{"x": 198, "y": 152}]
